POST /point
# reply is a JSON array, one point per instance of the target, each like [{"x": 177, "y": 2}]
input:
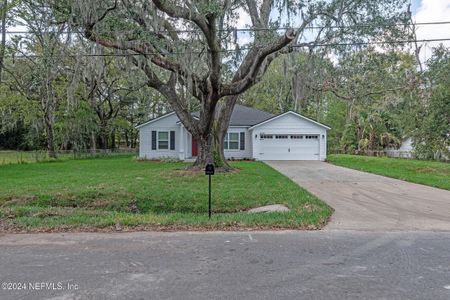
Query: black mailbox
[{"x": 209, "y": 169}]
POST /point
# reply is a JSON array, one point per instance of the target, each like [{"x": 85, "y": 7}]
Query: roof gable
[
  {"x": 292, "y": 113},
  {"x": 155, "y": 119}
]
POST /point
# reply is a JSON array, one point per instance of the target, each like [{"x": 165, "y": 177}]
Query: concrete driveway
[{"x": 364, "y": 201}]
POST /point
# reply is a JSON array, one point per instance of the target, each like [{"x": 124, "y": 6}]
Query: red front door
[{"x": 194, "y": 147}]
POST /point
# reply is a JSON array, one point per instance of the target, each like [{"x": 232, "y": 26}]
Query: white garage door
[{"x": 289, "y": 146}]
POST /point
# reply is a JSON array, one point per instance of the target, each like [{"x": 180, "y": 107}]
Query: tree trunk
[
  {"x": 104, "y": 140},
  {"x": 202, "y": 130},
  {"x": 127, "y": 139},
  {"x": 133, "y": 139},
  {"x": 205, "y": 151},
  {"x": 113, "y": 139},
  {"x": 48, "y": 107},
  {"x": 223, "y": 121},
  {"x": 103, "y": 134},
  {"x": 213, "y": 136},
  {"x": 50, "y": 138},
  {"x": 51, "y": 144},
  {"x": 220, "y": 136},
  {"x": 3, "y": 44},
  {"x": 93, "y": 143}
]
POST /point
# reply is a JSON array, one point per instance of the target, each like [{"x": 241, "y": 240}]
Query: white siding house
[
  {"x": 162, "y": 126},
  {"x": 252, "y": 134},
  {"x": 241, "y": 151}
]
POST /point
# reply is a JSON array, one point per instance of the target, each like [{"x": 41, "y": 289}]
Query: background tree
[
  {"x": 38, "y": 82},
  {"x": 362, "y": 96},
  {"x": 195, "y": 60},
  {"x": 93, "y": 96},
  {"x": 432, "y": 134},
  {"x": 4, "y": 20}
]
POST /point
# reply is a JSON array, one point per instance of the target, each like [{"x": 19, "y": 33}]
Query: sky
[
  {"x": 431, "y": 11},
  {"x": 423, "y": 11}
]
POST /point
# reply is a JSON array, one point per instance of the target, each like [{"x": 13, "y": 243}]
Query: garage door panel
[{"x": 303, "y": 147}]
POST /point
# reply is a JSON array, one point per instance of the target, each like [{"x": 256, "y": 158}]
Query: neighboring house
[
  {"x": 404, "y": 151},
  {"x": 252, "y": 134}
]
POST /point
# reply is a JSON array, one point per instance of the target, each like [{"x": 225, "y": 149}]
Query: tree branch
[
  {"x": 176, "y": 11},
  {"x": 149, "y": 52},
  {"x": 331, "y": 88},
  {"x": 264, "y": 12},
  {"x": 240, "y": 86},
  {"x": 169, "y": 92}
]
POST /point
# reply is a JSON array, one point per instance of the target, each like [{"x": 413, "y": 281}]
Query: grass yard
[
  {"x": 121, "y": 193},
  {"x": 19, "y": 157},
  {"x": 24, "y": 157},
  {"x": 432, "y": 173}
]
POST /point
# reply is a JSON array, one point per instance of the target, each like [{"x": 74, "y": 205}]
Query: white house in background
[
  {"x": 252, "y": 134},
  {"x": 404, "y": 151}
]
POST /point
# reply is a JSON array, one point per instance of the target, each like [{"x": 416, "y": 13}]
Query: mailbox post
[{"x": 209, "y": 170}]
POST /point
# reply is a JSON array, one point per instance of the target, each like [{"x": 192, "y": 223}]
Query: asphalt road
[
  {"x": 364, "y": 201},
  {"x": 264, "y": 265}
]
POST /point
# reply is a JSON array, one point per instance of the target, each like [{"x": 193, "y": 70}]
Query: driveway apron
[{"x": 364, "y": 201}]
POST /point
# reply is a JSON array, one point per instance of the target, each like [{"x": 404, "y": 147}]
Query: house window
[
  {"x": 163, "y": 140},
  {"x": 231, "y": 141}
]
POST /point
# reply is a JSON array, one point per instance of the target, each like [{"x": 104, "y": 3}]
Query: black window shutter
[
  {"x": 153, "y": 140},
  {"x": 242, "y": 136},
  {"x": 172, "y": 140}
]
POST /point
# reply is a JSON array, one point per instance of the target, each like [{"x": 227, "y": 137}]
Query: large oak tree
[{"x": 191, "y": 50}]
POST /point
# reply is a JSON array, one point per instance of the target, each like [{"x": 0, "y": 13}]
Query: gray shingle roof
[
  {"x": 246, "y": 116},
  {"x": 241, "y": 116}
]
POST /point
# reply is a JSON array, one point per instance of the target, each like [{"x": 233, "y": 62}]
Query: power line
[
  {"x": 241, "y": 49},
  {"x": 349, "y": 26},
  {"x": 378, "y": 43},
  {"x": 258, "y": 29}
]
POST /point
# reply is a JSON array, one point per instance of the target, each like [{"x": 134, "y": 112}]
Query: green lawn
[
  {"x": 18, "y": 157},
  {"x": 121, "y": 192},
  {"x": 430, "y": 173},
  {"x": 23, "y": 157}
]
